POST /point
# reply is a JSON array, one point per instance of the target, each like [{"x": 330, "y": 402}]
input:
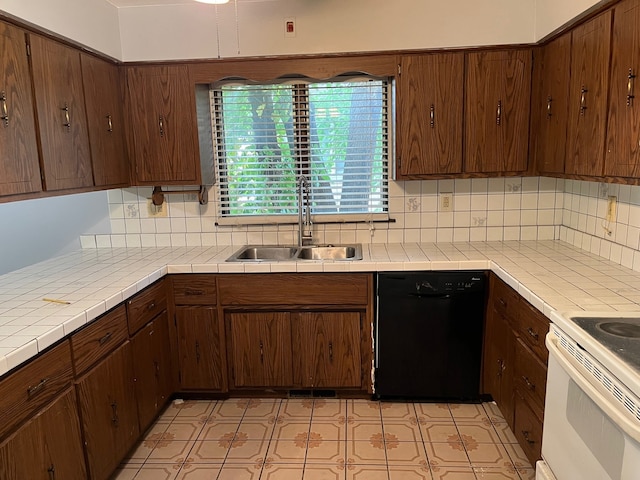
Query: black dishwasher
[{"x": 428, "y": 335}]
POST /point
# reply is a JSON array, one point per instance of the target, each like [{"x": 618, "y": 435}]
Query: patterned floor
[{"x": 295, "y": 439}]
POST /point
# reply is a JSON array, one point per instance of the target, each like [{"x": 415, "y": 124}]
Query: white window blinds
[{"x": 336, "y": 133}]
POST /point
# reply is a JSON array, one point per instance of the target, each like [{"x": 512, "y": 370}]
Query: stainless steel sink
[
  {"x": 279, "y": 253},
  {"x": 264, "y": 253},
  {"x": 331, "y": 252}
]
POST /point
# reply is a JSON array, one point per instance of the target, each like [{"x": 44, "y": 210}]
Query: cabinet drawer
[
  {"x": 294, "y": 289},
  {"x": 98, "y": 339},
  {"x": 504, "y": 298},
  {"x": 144, "y": 306},
  {"x": 530, "y": 373},
  {"x": 33, "y": 386},
  {"x": 532, "y": 328},
  {"x": 193, "y": 289},
  {"x": 528, "y": 429}
]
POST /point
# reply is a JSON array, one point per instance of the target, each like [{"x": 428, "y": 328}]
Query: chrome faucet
[{"x": 305, "y": 237}]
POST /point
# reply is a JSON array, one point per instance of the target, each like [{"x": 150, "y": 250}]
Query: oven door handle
[{"x": 591, "y": 391}]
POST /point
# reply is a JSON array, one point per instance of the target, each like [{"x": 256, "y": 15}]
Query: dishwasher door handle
[{"x": 431, "y": 295}]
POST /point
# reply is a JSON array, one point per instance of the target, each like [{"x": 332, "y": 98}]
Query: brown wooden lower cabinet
[
  {"x": 261, "y": 349},
  {"x": 528, "y": 427},
  {"x": 152, "y": 368},
  {"x": 198, "y": 342},
  {"x": 326, "y": 349},
  {"x": 108, "y": 412},
  {"x": 48, "y": 446}
]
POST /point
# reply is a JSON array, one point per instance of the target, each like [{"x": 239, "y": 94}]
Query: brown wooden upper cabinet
[
  {"x": 590, "y": 51},
  {"x": 622, "y": 155},
  {"x": 105, "y": 121},
  {"x": 19, "y": 163},
  {"x": 162, "y": 124},
  {"x": 430, "y": 92},
  {"x": 61, "y": 113},
  {"x": 498, "y": 93},
  {"x": 550, "y": 105}
]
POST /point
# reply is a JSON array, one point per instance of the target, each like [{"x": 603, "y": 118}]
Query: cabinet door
[
  {"x": 326, "y": 349},
  {"x": 261, "y": 349},
  {"x": 498, "y": 363},
  {"x": 429, "y": 122},
  {"x": 550, "y": 105},
  {"x": 622, "y": 156},
  {"x": 109, "y": 413},
  {"x": 199, "y": 348},
  {"x": 62, "y": 117},
  {"x": 105, "y": 121},
  {"x": 152, "y": 368},
  {"x": 498, "y": 92},
  {"x": 48, "y": 446},
  {"x": 590, "y": 50},
  {"x": 162, "y": 114},
  {"x": 19, "y": 164}
]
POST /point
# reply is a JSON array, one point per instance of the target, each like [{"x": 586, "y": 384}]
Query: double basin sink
[{"x": 279, "y": 253}]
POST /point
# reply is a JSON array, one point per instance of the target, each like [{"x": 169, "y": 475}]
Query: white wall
[
  {"x": 551, "y": 14},
  {"x": 35, "y": 230},
  {"x": 93, "y": 23},
  {"x": 190, "y": 31}
]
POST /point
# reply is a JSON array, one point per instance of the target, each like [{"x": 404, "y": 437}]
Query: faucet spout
[{"x": 305, "y": 237}]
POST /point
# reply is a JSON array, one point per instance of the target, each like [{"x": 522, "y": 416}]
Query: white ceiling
[{"x": 147, "y": 3}]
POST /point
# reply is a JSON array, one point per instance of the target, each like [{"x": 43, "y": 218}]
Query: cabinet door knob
[
  {"x": 530, "y": 385},
  {"x": 432, "y": 116},
  {"x": 52, "y": 472},
  {"x": 331, "y": 351},
  {"x": 526, "y": 434},
  {"x": 109, "y": 124},
  {"x": 532, "y": 333},
  {"x": 5, "y": 111},
  {"x": 630, "y": 95},
  {"x": 583, "y": 100},
  {"x": 105, "y": 339},
  {"x": 31, "y": 391},
  {"x": 67, "y": 117},
  {"x": 549, "y": 100},
  {"x": 114, "y": 410},
  {"x": 499, "y": 113},
  {"x": 261, "y": 353},
  {"x": 161, "y": 125}
]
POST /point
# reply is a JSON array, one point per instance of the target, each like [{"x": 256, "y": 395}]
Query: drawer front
[
  {"x": 144, "y": 306},
  {"x": 528, "y": 429},
  {"x": 95, "y": 341},
  {"x": 533, "y": 327},
  {"x": 193, "y": 289},
  {"x": 31, "y": 387},
  {"x": 504, "y": 298},
  {"x": 530, "y": 374},
  {"x": 294, "y": 289}
]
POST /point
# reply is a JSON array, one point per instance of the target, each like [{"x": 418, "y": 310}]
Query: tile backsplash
[{"x": 484, "y": 209}]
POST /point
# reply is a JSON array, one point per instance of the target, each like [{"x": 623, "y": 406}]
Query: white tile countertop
[{"x": 551, "y": 275}]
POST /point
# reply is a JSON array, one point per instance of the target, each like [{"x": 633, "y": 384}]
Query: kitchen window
[{"x": 336, "y": 133}]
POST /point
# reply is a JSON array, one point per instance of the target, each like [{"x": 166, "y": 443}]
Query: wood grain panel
[
  {"x": 29, "y": 388},
  {"x": 430, "y": 95},
  {"x": 326, "y": 349},
  {"x": 528, "y": 428},
  {"x": 261, "y": 349},
  {"x": 57, "y": 80},
  {"x": 194, "y": 289},
  {"x": 530, "y": 374},
  {"x": 622, "y": 155},
  {"x": 145, "y": 305},
  {"x": 162, "y": 119},
  {"x": 108, "y": 411},
  {"x": 99, "y": 338},
  {"x": 533, "y": 327},
  {"x": 47, "y": 447},
  {"x": 105, "y": 121},
  {"x": 199, "y": 348},
  {"x": 19, "y": 162},
  {"x": 294, "y": 289},
  {"x": 550, "y": 105},
  {"x": 590, "y": 72}
]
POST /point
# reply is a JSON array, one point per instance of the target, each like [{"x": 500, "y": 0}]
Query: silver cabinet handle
[
  {"x": 67, "y": 117},
  {"x": 583, "y": 100},
  {"x": 109, "y": 124},
  {"x": 630, "y": 95},
  {"x": 499, "y": 113},
  {"x": 52, "y": 472},
  {"x": 5, "y": 111},
  {"x": 161, "y": 125},
  {"x": 432, "y": 116},
  {"x": 549, "y": 100},
  {"x": 31, "y": 391},
  {"x": 105, "y": 339}
]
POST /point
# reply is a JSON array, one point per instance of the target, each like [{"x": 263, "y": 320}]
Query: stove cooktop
[{"x": 619, "y": 335}]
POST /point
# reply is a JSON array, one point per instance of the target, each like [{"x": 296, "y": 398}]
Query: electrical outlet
[
  {"x": 156, "y": 210},
  {"x": 611, "y": 209},
  {"x": 290, "y": 27},
  {"x": 446, "y": 202}
]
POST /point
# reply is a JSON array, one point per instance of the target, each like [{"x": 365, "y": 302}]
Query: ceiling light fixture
[{"x": 213, "y": 2}]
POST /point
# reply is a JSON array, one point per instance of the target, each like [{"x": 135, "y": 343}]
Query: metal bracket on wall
[{"x": 157, "y": 197}]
